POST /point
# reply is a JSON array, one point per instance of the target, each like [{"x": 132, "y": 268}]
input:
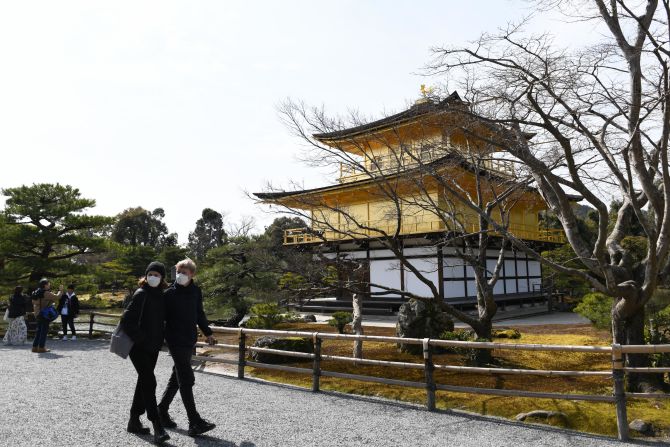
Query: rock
[
  {"x": 233, "y": 321},
  {"x": 546, "y": 416},
  {"x": 418, "y": 319},
  {"x": 506, "y": 333},
  {"x": 641, "y": 426},
  {"x": 309, "y": 318},
  {"x": 295, "y": 344}
]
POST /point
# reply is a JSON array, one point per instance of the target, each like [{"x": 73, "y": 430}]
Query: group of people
[
  {"x": 42, "y": 299},
  {"x": 156, "y": 313}
]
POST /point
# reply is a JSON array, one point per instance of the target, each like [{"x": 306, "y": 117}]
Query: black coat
[
  {"x": 17, "y": 306},
  {"x": 73, "y": 306},
  {"x": 184, "y": 312},
  {"x": 149, "y": 332}
]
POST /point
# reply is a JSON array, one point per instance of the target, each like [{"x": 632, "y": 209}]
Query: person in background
[
  {"x": 17, "y": 332},
  {"x": 43, "y": 298},
  {"x": 183, "y": 303},
  {"x": 144, "y": 322},
  {"x": 68, "y": 309}
]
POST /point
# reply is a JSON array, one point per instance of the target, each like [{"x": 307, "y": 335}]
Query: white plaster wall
[
  {"x": 537, "y": 282},
  {"x": 521, "y": 267},
  {"x": 386, "y": 273},
  {"x": 428, "y": 269},
  {"x": 510, "y": 269},
  {"x": 453, "y": 267},
  {"x": 522, "y": 285},
  {"x": 454, "y": 289},
  {"x": 534, "y": 268},
  {"x": 511, "y": 285},
  {"x": 420, "y": 251}
]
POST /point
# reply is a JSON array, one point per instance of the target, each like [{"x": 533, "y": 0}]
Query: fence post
[
  {"x": 428, "y": 368},
  {"x": 316, "y": 366},
  {"x": 90, "y": 325},
  {"x": 619, "y": 392},
  {"x": 241, "y": 358}
]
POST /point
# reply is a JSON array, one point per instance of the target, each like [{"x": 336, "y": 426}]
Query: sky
[{"x": 174, "y": 104}]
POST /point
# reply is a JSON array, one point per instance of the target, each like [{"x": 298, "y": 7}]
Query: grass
[
  {"x": 589, "y": 417},
  {"x": 103, "y": 300}
]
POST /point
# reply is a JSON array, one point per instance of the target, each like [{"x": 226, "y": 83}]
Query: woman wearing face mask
[{"x": 144, "y": 322}]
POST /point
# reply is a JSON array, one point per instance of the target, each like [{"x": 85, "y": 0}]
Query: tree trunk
[
  {"x": 629, "y": 330},
  {"x": 634, "y": 328},
  {"x": 482, "y": 357},
  {"x": 357, "y": 324}
]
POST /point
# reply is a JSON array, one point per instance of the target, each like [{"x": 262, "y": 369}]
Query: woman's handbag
[{"x": 121, "y": 343}]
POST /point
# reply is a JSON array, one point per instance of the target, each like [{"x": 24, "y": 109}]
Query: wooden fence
[
  {"x": 616, "y": 373},
  {"x": 102, "y": 323}
]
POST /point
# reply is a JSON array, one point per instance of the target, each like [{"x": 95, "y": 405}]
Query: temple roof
[
  {"x": 417, "y": 110},
  {"x": 270, "y": 196}
]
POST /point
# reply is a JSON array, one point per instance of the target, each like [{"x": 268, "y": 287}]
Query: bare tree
[
  {"x": 450, "y": 192},
  {"x": 600, "y": 120}
]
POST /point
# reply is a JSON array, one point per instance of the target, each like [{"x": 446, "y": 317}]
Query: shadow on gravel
[
  {"x": 51, "y": 356},
  {"x": 466, "y": 416},
  {"x": 63, "y": 346},
  {"x": 206, "y": 440}
]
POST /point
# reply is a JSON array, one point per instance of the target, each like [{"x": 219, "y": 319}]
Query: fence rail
[
  {"x": 616, "y": 373},
  {"x": 94, "y": 325}
]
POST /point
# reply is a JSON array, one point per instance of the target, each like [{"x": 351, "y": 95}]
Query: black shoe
[
  {"x": 135, "y": 426},
  {"x": 199, "y": 427},
  {"x": 160, "y": 435},
  {"x": 166, "y": 420}
]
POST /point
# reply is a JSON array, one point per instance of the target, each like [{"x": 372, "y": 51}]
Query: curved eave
[
  {"x": 413, "y": 113},
  {"x": 292, "y": 198}
]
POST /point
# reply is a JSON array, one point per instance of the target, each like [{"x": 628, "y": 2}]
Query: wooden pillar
[
  {"x": 91, "y": 320},
  {"x": 619, "y": 392},
  {"x": 241, "y": 354},
  {"x": 429, "y": 369},
  {"x": 440, "y": 271},
  {"x": 316, "y": 365}
]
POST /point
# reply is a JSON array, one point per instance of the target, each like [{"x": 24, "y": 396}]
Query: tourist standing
[
  {"x": 144, "y": 322},
  {"x": 183, "y": 301},
  {"x": 17, "y": 332},
  {"x": 43, "y": 298},
  {"x": 68, "y": 309}
]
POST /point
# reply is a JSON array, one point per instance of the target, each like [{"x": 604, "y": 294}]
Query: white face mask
[
  {"x": 153, "y": 281},
  {"x": 182, "y": 279}
]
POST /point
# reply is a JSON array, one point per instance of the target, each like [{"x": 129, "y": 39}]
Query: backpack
[
  {"x": 37, "y": 294},
  {"x": 49, "y": 313}
]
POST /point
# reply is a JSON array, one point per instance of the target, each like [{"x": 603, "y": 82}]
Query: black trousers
[
  {"x": 182, "y": 380},
  {"x": 144, "y": 398},
  {"x": 68, "y": 320}
]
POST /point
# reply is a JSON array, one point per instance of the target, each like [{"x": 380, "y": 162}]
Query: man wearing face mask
[{"x": 183, "y": 312}]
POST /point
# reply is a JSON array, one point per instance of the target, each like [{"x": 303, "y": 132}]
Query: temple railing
[
  {"x": 368, "y": 229},
  {"x": 379, "y": 165}
]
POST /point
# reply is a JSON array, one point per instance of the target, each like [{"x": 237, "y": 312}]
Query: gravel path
[{"x": 79, "y": 395}]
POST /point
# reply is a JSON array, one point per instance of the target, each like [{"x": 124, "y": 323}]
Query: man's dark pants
[
  {"x": 41, "y": 333},
  {"x": 68, "y": 320},
  {"x": 182, "y": 380}
]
